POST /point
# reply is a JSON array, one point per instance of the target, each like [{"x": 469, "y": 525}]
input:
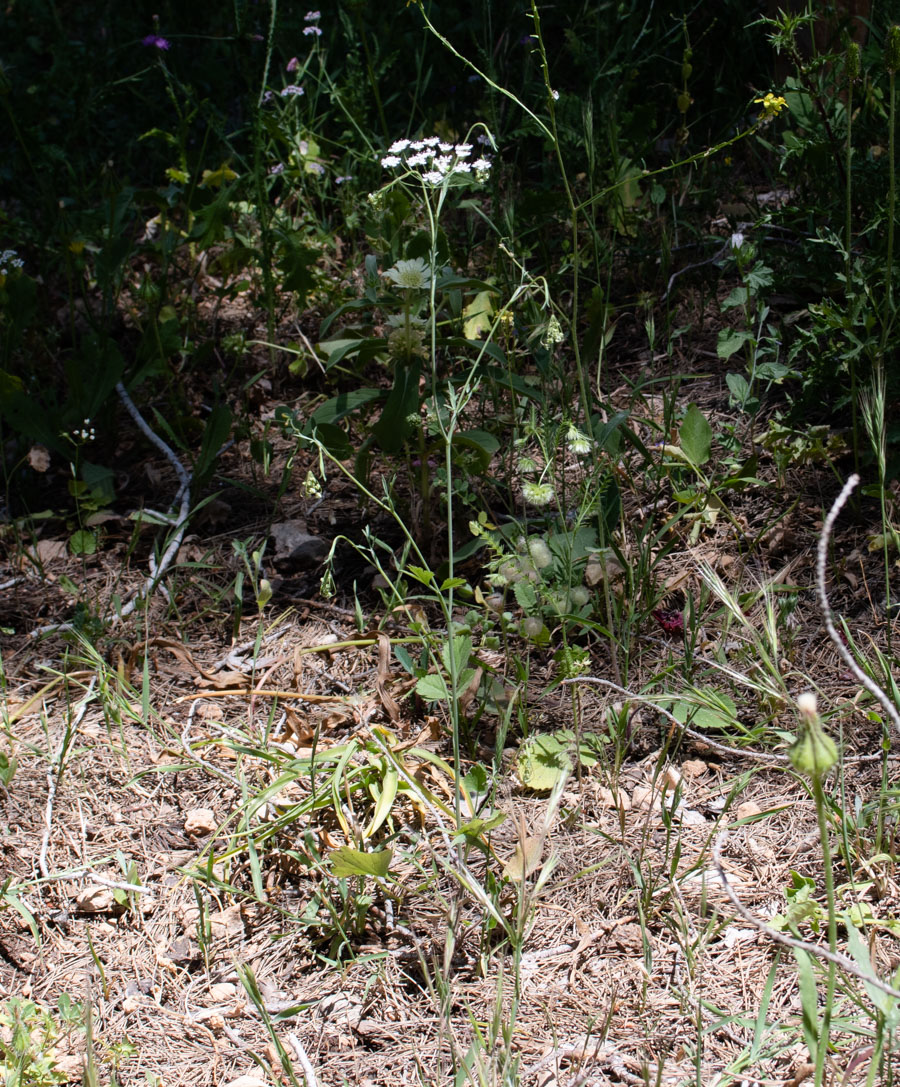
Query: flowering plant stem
[{"x": 822, "y": 818}]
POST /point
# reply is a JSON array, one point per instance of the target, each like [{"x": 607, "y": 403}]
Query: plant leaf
[{"x": 347, "y": 861}]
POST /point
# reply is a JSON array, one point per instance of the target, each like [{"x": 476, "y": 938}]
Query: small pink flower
[{"x": 292, "y": 65}]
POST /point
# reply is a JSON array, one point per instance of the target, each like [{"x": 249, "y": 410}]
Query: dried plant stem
[
  {"x": 722, "y": 749},
  {"x": 836, "y": 958},
  {"x": 846, "y": 656},
  {"x": 54, "y": 775},
  {"x": 158, "y": 570}
]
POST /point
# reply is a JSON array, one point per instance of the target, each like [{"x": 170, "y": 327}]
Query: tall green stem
[{"x": 822, "y": 817}]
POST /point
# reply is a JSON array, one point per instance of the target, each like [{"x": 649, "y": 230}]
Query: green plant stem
[
  {"x": 573, "y": 222},
  {"x": 822, "y": 818},
  {"x": 889, "y": 259}
]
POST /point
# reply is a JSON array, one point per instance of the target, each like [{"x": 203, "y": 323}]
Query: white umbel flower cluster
[{"x": 435, "y": 160}]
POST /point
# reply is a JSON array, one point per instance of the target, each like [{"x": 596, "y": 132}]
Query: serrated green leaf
[
  {"x": 525, "y": 595},
  {"x": 432, "y": 688},
  {"x": 452, "y": 583},
  {"x": 421, "y": 574},
  {"x": 462, "y": 650}
]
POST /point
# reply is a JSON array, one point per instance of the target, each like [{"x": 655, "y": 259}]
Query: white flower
[
  {"x": 462, "y": 168},
  {"x": 482, "y": 168},
  {"x": 553, "y": 333},
  {"x": 463, "y": 150},
  {"x": 737, "y": 240},
  {"x": 417, "y": 145},
  {"x": 578, "y": 442},
  {"x": 445, "y": 147},
  {"x": 397, "y": 146},
  {"x": 431, "y": 141},
  {"x": 391, "y": 161},
  {"x": 555, "y": 95},
  {"x": 433, "y": 177},
  {"x": 399, "y": 320},
  {"x": 540, "y": 553},
  {"x": 410, "y": 274},
  {"x": 420, "y": 158},
  {"x": 537, "y": 494},
  {"x": 443, "y": 163}
]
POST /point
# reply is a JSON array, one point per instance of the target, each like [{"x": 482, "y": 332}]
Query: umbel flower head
[
  {"x": 410, "y": 275},
  {"x": 436, "y": 160}
]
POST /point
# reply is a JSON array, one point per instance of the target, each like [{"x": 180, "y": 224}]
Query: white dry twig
[
  {"x": 159, "y": 569},
  {"x": 305, "y": 1063},
  {"x": 54, "y": 775},
  {"x": 723, "y": 749},
  {"x": 846, "y": 656},
  {"x": 846, "y": 964}
]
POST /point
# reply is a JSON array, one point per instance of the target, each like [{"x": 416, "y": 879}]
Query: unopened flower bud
[
  {"x": 892, "y": 50},
  {"x": 853, "y": 65},
  {"x": 815, "y": 752}
]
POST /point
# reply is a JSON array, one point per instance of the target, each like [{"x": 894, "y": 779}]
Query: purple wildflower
[
  {"x": 312, "y": 30},
  {"x": 292, "y": 65},
  {"x": 291, "y": 90},
  {"x": 156, "y": 42},
  {"x": 312, "y": 16}
]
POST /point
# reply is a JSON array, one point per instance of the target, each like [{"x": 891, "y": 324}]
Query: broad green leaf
[
  {"x": 738, "y": 386},
  {"x": 343, "y": 404},
  {"x": 696, "y": 435},
  {"x": 347, "y": 861},
  {"x": 482, "y": 442},
  {"x": 83, "y": 542},
  {"x": 478, "y": 314},
  {"x": 731, "y": 340},
  {"x": 541, "y": 762},
  {"x": 432, "y": 688}
]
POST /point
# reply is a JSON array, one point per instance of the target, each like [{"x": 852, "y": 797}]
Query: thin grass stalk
[{"x": 892, "y": 63}]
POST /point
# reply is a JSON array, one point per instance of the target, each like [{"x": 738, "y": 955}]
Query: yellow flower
[{"x": 771, "y": 104}]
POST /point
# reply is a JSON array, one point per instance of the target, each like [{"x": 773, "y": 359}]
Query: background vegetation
[{"x": 556, "y": 314}]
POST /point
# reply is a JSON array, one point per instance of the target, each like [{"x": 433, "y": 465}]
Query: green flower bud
[
  {"x": 852, "y": 62},
  {"x": 264, "y": 595},
  {"x": 815, "y": 752},
  {"x": 892, "y": 49}
]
